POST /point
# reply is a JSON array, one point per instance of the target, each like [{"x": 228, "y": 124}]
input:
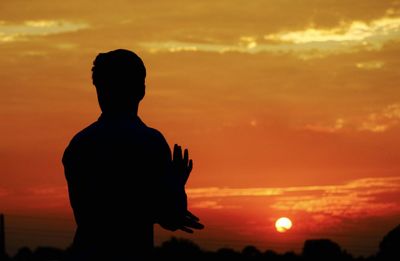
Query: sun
[{"x": 283, "y": 224}]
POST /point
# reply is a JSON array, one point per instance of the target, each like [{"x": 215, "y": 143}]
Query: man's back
[{"x": 115, "y": 169}]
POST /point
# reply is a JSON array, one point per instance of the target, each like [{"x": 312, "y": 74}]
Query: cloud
[
  {"x": 370, "y": 65},
  {"x": 361, "y": 197},
  {"x": 365, "y": 197},
  {"x": 11, "y": 32},
  {"x": 378, "y": 121},
  {"x": 209, "y": 204},
  {"x": 382, "y": 120},
  {"x": 244, "y": 45},
  {"x": 375, "y": 32},
  {"x": 218, "y": 192},
  {"x": 308, "y": 43},
  {"x": 337, "y": 126},
  {"x": 33, "y": 198},
  {"x": 59, "y": 191}
]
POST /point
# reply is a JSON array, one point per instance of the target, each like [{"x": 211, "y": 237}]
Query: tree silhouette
[
  {"x": 389, "y": 248},
  {"x": 23, "y": 254},
  {"x": 178, "y": 249},
  {"x": 322, "y": 249},
  {"x": 251, "y": 253},
  {"x": 183, "y": 249}
]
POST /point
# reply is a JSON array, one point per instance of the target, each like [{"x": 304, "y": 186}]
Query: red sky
[{"x": 288, "y": 109}]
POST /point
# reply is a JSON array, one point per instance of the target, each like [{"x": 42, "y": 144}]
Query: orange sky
[{"x": 288, "y": 108}]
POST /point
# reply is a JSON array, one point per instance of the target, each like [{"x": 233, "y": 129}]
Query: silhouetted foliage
[
  {"x": 184, "y": 249},
  {"x": 271, "y": 255},
  {"x": 290, "y": 256},
  {"x": 321, "y": 249},
  {"x": 23, "y": 254},
  {"x": 251, "y": 253},
  {"x": 389, "y": 248},
  {"x": 48, "y": 254},
  {"x": 227, "y": 254},
  {"x": 180, "y": 248}
]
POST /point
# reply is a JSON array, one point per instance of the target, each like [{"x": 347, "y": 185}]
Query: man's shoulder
[
  {"x": 156, "y": 134},
  {"x": 85, "y": 134},
  {"x": 155, "y": 137},
  {"x": 152, "y": 132},
  {"x": 79, "y": 139}
]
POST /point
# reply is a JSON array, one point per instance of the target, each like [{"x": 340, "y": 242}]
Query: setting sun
[{"x": 283, "y": 224}]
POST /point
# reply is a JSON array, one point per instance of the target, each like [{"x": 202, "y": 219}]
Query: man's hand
[
  {"x": 186, "y": 223},
  {"x": 181, "y": 164},
  {"x": 182, "y": 167},
  {"x": 190, "y": 222}
]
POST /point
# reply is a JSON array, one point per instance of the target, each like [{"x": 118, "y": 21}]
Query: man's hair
[{"x": 119, "y": 71}]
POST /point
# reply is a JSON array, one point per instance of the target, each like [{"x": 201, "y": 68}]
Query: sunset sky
[{"x": 288, "y": 108}]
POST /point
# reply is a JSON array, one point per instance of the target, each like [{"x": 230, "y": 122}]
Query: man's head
[{"x": 119, "y": 77}]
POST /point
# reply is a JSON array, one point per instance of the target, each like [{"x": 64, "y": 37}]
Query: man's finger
[
  {"x": 175, "y": 154},
  {"x": 190, "y": 167},
  {"x": 186, "y": 157},
  {"x": 190, "y": 215},
  {"x": 179, "y": 153},
  {"x": 187, "y": 230},
  {"x": 192, "y": 224}
]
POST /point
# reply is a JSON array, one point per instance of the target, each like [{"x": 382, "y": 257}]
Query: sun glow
[{"x": 283, "y": 224}]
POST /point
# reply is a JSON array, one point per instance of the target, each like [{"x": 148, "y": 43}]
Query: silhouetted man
[{"x": 121, "y": 175}]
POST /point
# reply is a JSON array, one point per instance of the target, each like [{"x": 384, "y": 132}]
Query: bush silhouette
[
  {"x": 321, "y": 249},
  {"x": 184, "y": 249},
  {"x": 23, "y": 254},
  {"x": 251, "y": 253},
  {"x": 389, "y": 248},
  {"x": 176, "y": 248}
]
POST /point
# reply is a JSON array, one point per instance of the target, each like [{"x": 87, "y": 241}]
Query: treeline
[
  {"x": 183, "y": 249},
  {"x": 313, "y": 250}
]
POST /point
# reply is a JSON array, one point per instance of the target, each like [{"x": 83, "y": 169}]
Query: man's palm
[{"x": 182, "y": 164}]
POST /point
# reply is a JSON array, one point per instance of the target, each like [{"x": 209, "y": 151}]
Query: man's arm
[{"x": 72, "y": 172}]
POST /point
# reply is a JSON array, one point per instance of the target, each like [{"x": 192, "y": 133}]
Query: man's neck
[{"x": 119, "y": 115}]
